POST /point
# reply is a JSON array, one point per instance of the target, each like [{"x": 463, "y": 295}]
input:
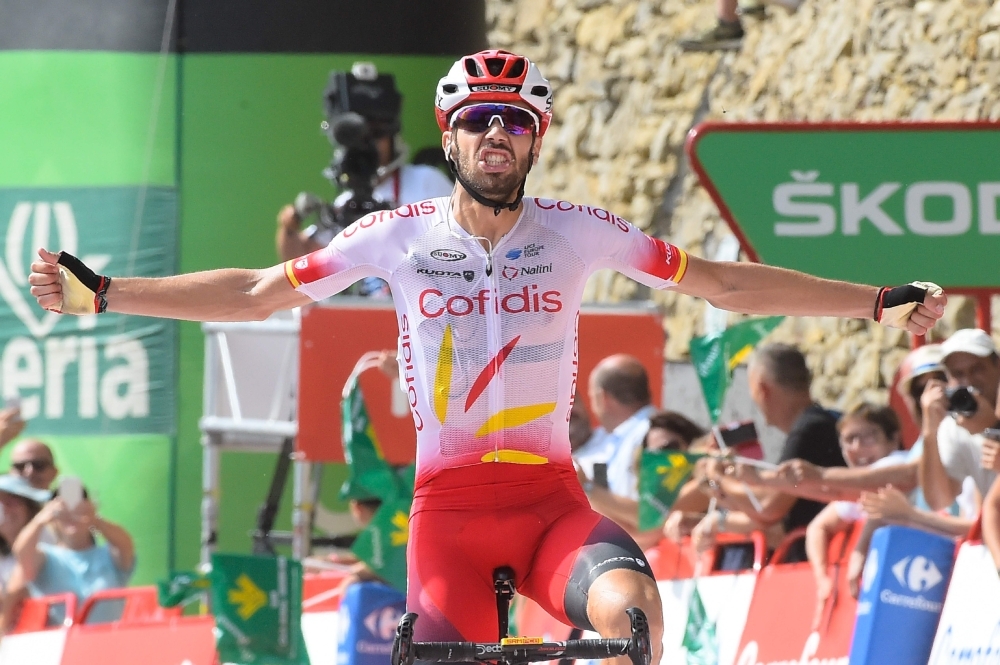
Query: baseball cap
[
  {"x": 921, "y": 360},
  {"x": 969, "y": 340},
  {"x": 18, "y": 486}
]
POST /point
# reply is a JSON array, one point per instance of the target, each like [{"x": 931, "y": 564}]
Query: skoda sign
[{"x": 882, "y": 203}]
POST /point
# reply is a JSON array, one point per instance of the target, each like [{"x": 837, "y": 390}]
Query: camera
[
  {"x": 961, "y": 401},
  {"x": 361, "y": 107}
]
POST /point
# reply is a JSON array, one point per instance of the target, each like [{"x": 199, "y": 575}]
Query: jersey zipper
[{"x": 494, "y": 342}]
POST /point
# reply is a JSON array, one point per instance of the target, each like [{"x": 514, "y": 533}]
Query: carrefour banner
[
  {"x": 106, "y": 374},
  {"x": 882, "y": 203}
]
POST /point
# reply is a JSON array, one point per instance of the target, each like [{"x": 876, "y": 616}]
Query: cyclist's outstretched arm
[
  {"x": 754, "y": 288},
  {"x": 215, "y": 295}
]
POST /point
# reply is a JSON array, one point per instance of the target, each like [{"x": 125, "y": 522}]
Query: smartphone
[
  {"x": 992, "y": 434},
  {"x": 601, "y": 474},
  {"x": 71, "y": 491}
]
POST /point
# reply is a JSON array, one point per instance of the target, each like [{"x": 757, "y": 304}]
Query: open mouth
[{"x": 495, "y": 161}]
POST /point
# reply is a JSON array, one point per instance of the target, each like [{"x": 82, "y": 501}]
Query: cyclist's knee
[{"x": 616, "y": 591}]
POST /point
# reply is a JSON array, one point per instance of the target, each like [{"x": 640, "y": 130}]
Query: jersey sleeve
[
  {"x": 366, "y": 248},
  {"x": 620, "y": 246}
]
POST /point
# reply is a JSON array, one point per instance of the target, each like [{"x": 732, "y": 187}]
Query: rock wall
[{"x": 626, "y": 96}]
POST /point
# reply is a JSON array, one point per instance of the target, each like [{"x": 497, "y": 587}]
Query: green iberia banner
[
  {"x": 662, "y": 474},
  {"x": 382, "y": 544},
  {"x": 179, "y": 588},
  {"x": 99, "y": 374},
  {"x": 257, "y": 603},
  {"x": 370, "y": 475},
  {"x": 700, "y": 641}
]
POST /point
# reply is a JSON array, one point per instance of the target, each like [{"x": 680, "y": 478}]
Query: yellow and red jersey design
[{"x": 488, "y": 342}]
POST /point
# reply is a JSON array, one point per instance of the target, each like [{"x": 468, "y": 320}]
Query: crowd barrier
[{"x": 760, "y": 614}]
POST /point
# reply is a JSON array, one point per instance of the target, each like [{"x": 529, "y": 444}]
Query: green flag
[
  {"x": 371, "y": 476},
  {"x": 699, "y": 634},
  {"x": 382, "y": 545},
  {"x": 662, "y": 474},
  {"x": 716, "y": 356},
  {"x": 179, "y": 588},
  {"x": 257, "y": 602}
]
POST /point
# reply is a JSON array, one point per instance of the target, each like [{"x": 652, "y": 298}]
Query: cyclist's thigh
[
  {"x": 451, "y": 556},
  {"x": 577, "y": 549}
]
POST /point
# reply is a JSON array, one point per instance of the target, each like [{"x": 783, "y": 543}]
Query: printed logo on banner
[
  {"x": 90, "y": 374},
  {"x": 382, "y": 622},
  {"x": 917, "y": 575}
]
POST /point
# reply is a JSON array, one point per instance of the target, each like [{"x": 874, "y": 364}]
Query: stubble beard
[{"x": 496, "y": 186}]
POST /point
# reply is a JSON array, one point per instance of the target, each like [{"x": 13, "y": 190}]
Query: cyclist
[{"x": 487, "y": 287}]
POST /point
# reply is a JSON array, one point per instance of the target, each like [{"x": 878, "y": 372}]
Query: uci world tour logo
[{"x": 20, "y": 250}]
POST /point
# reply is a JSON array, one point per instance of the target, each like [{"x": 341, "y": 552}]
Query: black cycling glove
[
  {"x": 893, "y": 305},
  {"x": 83, "y": 290}
]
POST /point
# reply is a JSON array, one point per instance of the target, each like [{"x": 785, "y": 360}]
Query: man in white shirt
[
  {"x": 619, "y": 394},
  {"x": 953, "y": 445}
]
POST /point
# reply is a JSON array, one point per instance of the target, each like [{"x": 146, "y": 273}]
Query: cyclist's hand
[
  {"x": 915, "y": 307},
  {"x": 60, "y": 282},
  {"x": 289, "y": 220}
]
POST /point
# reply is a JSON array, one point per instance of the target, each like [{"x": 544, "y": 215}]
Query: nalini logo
[
  {"x": 918, "y": 574},
  {"x": 447, "y": 255},
  {"x": 509, "y": 272},
  {"x": 35, "y": 366}
]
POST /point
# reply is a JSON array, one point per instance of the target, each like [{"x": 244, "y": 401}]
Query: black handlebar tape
[
  {"x": 591, "y": 649},
  {"x": 445, "y": 652}
]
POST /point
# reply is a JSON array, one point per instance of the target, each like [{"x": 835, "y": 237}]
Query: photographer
[
  {"x": 363, "y": 122},
  {"x": 955, "y": 414}
]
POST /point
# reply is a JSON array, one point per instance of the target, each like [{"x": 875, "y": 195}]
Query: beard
[{"x": 495, "y": 186}]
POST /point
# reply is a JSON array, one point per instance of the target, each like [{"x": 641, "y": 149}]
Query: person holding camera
[
  {"x": 955, "y": 415},
  {"x": 363, "y": 122}
]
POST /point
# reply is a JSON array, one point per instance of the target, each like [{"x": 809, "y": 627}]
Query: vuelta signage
[
  {"x": 881, "y": 203},
  {"x": 87, "y": 375}
]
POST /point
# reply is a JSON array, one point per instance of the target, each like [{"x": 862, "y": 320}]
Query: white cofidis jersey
[{"x": 487, "y": 340}]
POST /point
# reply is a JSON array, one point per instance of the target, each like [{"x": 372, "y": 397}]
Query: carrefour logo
[
  {"x": 110, "y": 373},
  {"x": 930, "y": 208},
  {"x": 917, "y": 573}
]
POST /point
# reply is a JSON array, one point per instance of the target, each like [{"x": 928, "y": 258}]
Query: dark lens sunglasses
[
  {"x": 478, "y": 118},
  {"x": 36, "y": 464}
]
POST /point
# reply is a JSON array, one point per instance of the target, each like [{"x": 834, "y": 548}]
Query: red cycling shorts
[{"x": 466, "y": 522}]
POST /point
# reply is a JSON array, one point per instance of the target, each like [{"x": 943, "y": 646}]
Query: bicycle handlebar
[
  {"x": 515, "y": 651},
  {"x": 459, "y": 652}
]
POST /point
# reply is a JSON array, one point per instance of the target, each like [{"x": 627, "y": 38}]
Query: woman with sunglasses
[{"x": 487, "y": 285}]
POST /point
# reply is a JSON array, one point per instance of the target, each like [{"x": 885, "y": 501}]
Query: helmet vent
[
  {"x": 495, "y": 66},
  {"x": 449, "y": 88},
  {"x": 517, "y": 69},
  {"x": 539, "y": 91},
  {"x": 472, "y": 67}
]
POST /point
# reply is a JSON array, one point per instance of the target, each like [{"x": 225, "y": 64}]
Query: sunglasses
[
  {"x": 478, "y": 118},
  {"x": 36, "y": 464}
]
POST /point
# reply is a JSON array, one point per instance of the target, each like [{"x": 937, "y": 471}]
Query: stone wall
[{"x": 626, "y": 96}]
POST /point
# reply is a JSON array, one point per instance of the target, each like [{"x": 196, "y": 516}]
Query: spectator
[
  {"x": 76, "y": 563},
  {"x": 619, "y": 394},
  {"x": 869, "y": 436},
  {"x": 953, "y": 443},
  {"x": 32, "y": 460},
  {"x": 727, "y": 35},
  {"x": 668, "y": 430},
  {"x": 991, "y": 523},
  {"x": 20, "y": 502},
  {"x": 10, "y": 424},
  {"x": 779, "y": 384}
]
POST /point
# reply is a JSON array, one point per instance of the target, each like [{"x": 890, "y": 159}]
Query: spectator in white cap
[
  {"x": 953, "y": 443},
  {"x": 19, "y": 503}
]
